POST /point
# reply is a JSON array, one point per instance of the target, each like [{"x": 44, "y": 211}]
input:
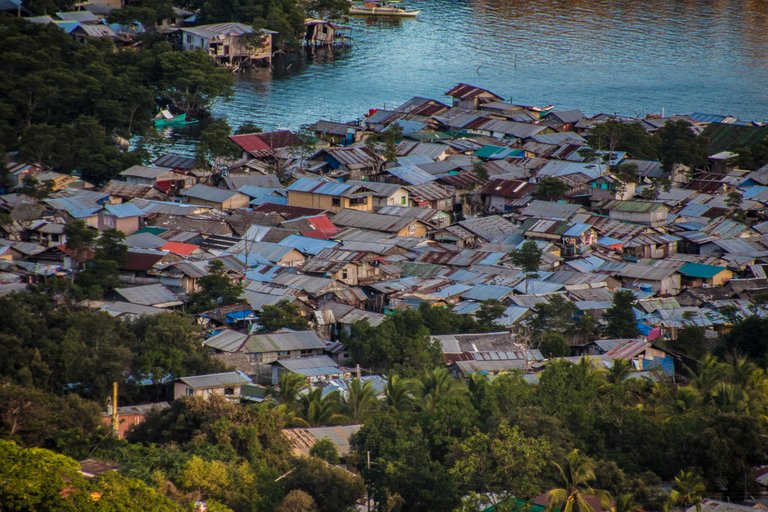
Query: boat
[
  {"x": 165, "y": 118},
  {"x": 382, "y": 8}
]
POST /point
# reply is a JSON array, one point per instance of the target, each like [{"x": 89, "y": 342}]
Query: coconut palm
[
  {"x": 574, "y": 478},
  {"x": 318, "y": 410},
  {"x": 687, "y": 489},
  {"x": 290, "y": 386},
  {"x": 626, "y": 503},
  {"x": 399, "y": 394},
  {"x": 360, "y": 400},
  {"x": 437, "y": 385},
  {"x": 619, "y": 371}
]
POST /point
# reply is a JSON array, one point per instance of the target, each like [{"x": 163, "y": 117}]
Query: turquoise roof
[{"x": 700, "y": 270}]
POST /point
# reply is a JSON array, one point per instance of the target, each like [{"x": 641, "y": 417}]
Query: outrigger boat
[
  {"x": 381, "y": 8},
  {"x": 165, "y": 118}
]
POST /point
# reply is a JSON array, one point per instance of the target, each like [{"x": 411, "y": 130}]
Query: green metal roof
[
  {"x": 153, "y": 230},
  {"x": 700, "y": 270},
  {"x": 722, "y": 137}
]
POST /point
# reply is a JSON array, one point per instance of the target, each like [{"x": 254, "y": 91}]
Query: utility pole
[
  {"x": 115, "y": 424},
  {"x": 368, "y": 494}
]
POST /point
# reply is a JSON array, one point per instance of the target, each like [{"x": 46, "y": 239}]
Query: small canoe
[
  {"x": 167, "y": 121},
  {"x": 382, "y": 11}
]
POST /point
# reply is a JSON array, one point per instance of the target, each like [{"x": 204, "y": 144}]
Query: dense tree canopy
[{"x": 66, "y": 101}]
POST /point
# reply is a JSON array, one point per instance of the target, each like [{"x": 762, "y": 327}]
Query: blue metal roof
[
  {"x": 122, "y": 211},
  {"x": 700, "y": 270},
  {"x": 577, "y": 229},
  {"x": 411, "y": 175},
  {"x": 707, "y": 118},
  {"x": 487, "y": 291},
  {"x": 307, "y": 245}
]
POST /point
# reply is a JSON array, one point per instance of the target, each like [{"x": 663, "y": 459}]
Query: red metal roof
[
  {"x": 138, "y": 261},
  {"x": 287, "y": 211},
  {"x": 466, "y": 92},
  {"x": 180, "y": 248},
  {"x": 267, "y": 141}
]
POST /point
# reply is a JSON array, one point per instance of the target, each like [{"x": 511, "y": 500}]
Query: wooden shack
[
  {"x": 232, "y": 44},
  {"x": 325, "y": 33}
]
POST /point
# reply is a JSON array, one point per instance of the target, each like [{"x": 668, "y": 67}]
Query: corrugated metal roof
[
  {"x": 227, "y": 340},
  {"x": 483, "y": 292},
  {"x": 307, "y": 245},
  {"x": 281, "y": 342},
  {"x": 149, "y": 295},
  {"x": 411, "y": 175},
  {"x": 216, "y": 380},
  {"x": 206, "y": 193},
  {"x": 122, "y": 211}
]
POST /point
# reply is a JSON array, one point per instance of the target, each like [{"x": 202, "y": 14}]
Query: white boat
[{"x": 383, "y": 8}]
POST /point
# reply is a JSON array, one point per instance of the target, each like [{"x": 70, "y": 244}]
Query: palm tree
[
  {"x": 687, "y": 489},
  {"x": 360, "y": 400},
  {"x": 626, "y": 503},
  {"x": 437, "y": 385},
  {"x": 398, "y": 394},
  {"x": 619, "y": 371},
  {"x": 318, "y": 410},
  {"x": 574, "y": 478},
  {"x": 289, "y": 388}
]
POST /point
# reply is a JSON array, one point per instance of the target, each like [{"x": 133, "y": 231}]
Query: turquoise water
[{"x": 626, "y": 57}]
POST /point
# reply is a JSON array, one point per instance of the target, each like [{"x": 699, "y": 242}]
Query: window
[
  {"x": 335, "y": 201},
  {"x": 229, "y": 391},
  {"x": 189, "y": 38},
  {"x": 190, "y": 391},
  {"x": 403, "y": 199},
  {"x": 344, "y": 274},
  {"x": 283, "y": 353}
]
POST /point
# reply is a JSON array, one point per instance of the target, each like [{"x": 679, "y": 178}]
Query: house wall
[
  {"x": 292, "y": 259},
  {"x": 597, "y": 193},
  {"x": 190, "y": 41},
  {"x": 656, "y": 218},
  {"x": 416, "y": 228},
  {"x": 181, "y": 390},
  {"x": 124, "y": 422},
  {"x": 399, "y": 198},
  {"x": 329, "y": 203}
]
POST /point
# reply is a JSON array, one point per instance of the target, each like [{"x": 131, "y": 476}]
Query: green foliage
[
  {"x": 248, "y": 127},
  {"x": 552, "y": 344},
  {"x": 35, "y": 418},
  {"x": 678, "y": 144},
  {"x": 504, "y": 462},
  {"x": 690, "y": 341},
  {"x": 400, "y": 341},
  {"x": 38, "y": 479},
  {"x": 574, "y": 477},
  {"x": 557, "y": 315},
  {"x": 66, "y": 101},
  {"x": 403, "y": 464},
  {"x": 297, "y": 501},
  {"x": 687, "y": 489},
  {"x": 148, "y": 12},
  {"x": 550, "y": 189},
  {"x": 334, "y": 489},
  {"x": 753, "y": 157},
  {"x": 527, "y": 257},
  {"x": 620, "y": 316},
  {"x": 214, "y": 143},
  {"x": 216, "y": 289},
  {"x": 282, "y": 315},
  {"x": 62, "y": 350},
  {"x": 284, "y": 16},
  {"x": 615, "y": 135},
  {"x": 324, "y": 449}
]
